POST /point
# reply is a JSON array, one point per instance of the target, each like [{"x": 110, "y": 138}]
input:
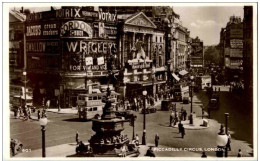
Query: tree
[{"x": 211, "y": 55}]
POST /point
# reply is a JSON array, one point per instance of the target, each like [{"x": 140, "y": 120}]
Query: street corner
[{"x": 198, "y": 124}]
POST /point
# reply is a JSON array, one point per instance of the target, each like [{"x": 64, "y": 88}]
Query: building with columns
[{"x": 141, "y": 55}]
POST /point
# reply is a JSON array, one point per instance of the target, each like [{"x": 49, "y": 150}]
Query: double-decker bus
[
  {"x": 90, "y": 105},
  {"x": 17, "y": 96}
]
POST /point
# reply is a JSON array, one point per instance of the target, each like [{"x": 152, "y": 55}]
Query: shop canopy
[
  {"x": 183, "y": 72},
  {"x": 175, "y": 76}
]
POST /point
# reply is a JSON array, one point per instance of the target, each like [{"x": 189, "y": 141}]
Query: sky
[
  {"x": 202, "y": 21},
  {"x": 206, "y": 21}
]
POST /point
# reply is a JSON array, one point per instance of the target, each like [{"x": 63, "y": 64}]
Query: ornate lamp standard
[
  {"x": 25, "y": 81},
  {"x": 43, "y": 123},
  {"x": 226, "y": 131},
  {"x": 144, "y": 132},
  {"x": 191, "y": 88},
  {"x": 221, "y": 141},
  {"x": 153, "y": 78}
]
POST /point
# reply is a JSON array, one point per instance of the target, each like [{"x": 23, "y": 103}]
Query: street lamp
[
  {"x": 144, "y": 132},
  {"x": 43, "y": 123},
  {"x": 221, "y": 141},
  {"x": 226, "y": 131},
  {"x": 191, "y": 86},
  {"x": 25, "y": 81},
  {"x": 153, "y": 77}
]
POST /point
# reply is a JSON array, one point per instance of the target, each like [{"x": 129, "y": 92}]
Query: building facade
[
  {"x": 248, "y": 52},
  {"x": 231, "y": 44},
  {"x": 197, "y": 53},
  {"x": 67, "y": 51}
]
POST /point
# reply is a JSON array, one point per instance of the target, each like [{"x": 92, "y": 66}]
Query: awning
[
  {"x": 175, "y": 77},
  {"x": 183, "y": 72}
]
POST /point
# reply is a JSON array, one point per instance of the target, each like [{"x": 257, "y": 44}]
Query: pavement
[{"x": 65, "y": 150}]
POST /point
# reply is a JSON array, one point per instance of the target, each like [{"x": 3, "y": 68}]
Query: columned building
[{"x": 141, "y": 55}]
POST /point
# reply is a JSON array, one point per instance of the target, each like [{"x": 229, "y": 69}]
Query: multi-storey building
[
  {"x": 68, "y": 49},
  {"x": 16, "y": 46},
  {"x": 197, "y": 53},
  {"x": 248, "y": 52},
  {"x": 231, "y": 42}
]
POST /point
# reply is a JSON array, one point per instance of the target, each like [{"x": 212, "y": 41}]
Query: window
[
  {"x": 160, "y": 39},
  {"x": 95, "y": 98},
  {"x": 90, "y": 98},
  {"x": 156, "y": 39},
  {"x": 94, "y": 108},
  {"x": 90, "y": 109}
]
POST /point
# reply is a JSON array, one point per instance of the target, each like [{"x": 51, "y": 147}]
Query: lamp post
[
  {"x": 153, "y": 77},
  {"x": 226, "y": 131},
  {"x": 43, "y": 123},
  {"x": 191, "y": 86},
  {"x": 25, "y": 81},
  {"x": 221, "y": 141},
  {"x": 144, "y": 132}
]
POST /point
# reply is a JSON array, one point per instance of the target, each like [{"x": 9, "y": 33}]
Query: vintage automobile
[
  {"x": 213, "y": 104},
  {"x": 150, "y": 109},
  {"x": 186, "y": 100}
]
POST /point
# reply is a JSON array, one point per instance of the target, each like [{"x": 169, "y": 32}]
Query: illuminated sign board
[
  {"x": 107, "y": 17},
  {"x": 236, "y": 33},
  {"x": 236, "y": 43},
  {"x": 43, "y": 30},
  {"x": 88, "y": 55},
  {"x": 91, "y": 47},
  {"x": 75, "y": 28},
  {"x": 50, "y": 47},
  {"x": 68, "y": 13}
]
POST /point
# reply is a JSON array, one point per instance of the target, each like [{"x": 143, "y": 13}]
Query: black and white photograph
[{"x": 130, "y": 80}]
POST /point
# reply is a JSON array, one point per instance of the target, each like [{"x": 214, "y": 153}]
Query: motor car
[
  {"x": 150, "y": 109},
  {"x": 186, "y": 100}
]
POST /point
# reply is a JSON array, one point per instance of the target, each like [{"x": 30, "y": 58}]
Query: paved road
[{"x": 62, "y": 128}]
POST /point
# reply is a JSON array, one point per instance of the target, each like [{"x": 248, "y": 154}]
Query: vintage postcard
[{"x": 102, "y": 80}]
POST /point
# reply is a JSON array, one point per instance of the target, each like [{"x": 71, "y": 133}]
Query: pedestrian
[
  {"x": 180, "y": 126},
  {"x": 43, "y": 113},
  {"x": 203, "y": 112},
  {"x": 228, "y": 146},
  {"x": 239, "y": 153},
  {"x": 12, "y": 146},
  {"x": 137, "y": 139},
  {"x": 204, "y": 155},
  {"x": 156, "y": 140},
  {"x": 182, "y": 132},
  {"x": 39, "y": 114},
  {"x": 15, "y": 112},
  {"x": 77, "y": 137},
  {"x": 150, "y": 152},
  {"x": 191, "y": 119},
  {"x": 184, "y": 115},
  {"x": 48, "y": 103},
  {"x": 171, "y": 120}
]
